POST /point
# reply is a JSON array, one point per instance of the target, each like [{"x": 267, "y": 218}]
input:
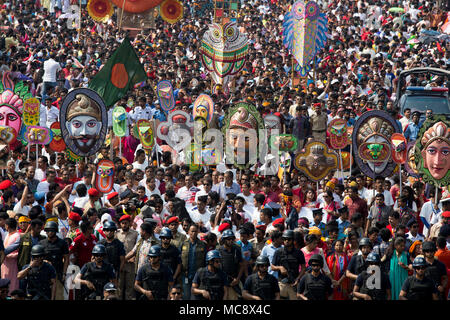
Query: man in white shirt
[
  {"x": 405, "y": 120},
  {"x": 140, "y": 162},
  {"x": 51, "y": 69},
  {"x": 200, "y": 214},
  {"x": 247, "y": 196},
  {"x": 142, "y": 111},
  {"x": 51, "y": 113},
  {"x": 429, "y": 212}
]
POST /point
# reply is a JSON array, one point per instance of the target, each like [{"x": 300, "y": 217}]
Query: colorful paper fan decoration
[
  {"x": 171, "y": 11},
  {"x": 100, "y": 10}
]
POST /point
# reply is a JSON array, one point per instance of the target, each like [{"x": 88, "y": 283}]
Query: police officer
[
  {"x": 419, "y": 286},
  {"x": 232, "y": 263},
  {"x": 40, "y": 276},
  {"x": 357, "y": 263},
  {"x": 110, "y": 292},
  {"x": 261, "y": 285},
  {"x": 286, "y": 260},
  {"x": 436, "y": 270},
  {"x": 170, "y": 255},
  {"x": 210, "y": 282},
  {"x": 315, "y": 285},
  {"x": 115, "y": 250},
  {"x": 95, "y": 274},
  {"x": 57, "y": 253},
  {"x": 154, "y": 279},
  {"x": 365, "y": 288}
]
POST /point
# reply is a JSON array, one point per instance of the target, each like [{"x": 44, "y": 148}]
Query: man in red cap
[
  {"x": 113, "y": 199},
  {"x": 73, "y": 220},
  {"x": 129, "y": 238},
  {"x": 6, "y": 185},
  {"x": 177, "y": 238},
  {"x": 434, "y": 231},
  {"x": 93, "y": 202},
  {"x": 319, "y": 122}
]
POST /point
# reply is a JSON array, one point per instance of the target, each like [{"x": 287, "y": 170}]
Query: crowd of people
[{"x": 221, "y": 233}]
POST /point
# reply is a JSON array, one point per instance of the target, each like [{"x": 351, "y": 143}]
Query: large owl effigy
[
  {"x": 224, "y": 50},
  {"x": 304, "y": 33}
]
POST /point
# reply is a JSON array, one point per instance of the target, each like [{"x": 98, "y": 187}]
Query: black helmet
[
  {"x": 317, "y": 258},
  {"x": 373, "y": 258},
  {"x": 428, "y": 246},
  {"x": 154, "y": 251},
  {"x": 213, "y": 254},
  {"x": 365, "y": 242},
  {"x": 419, "y": 262},
  {"x": 37, "y": 250},
  {"x": 51, "y": 226},
  {"x": 99, "y": 250},
  {"x": 109, "y": 225},
  {"x": 288, "y": 234},
  {"x": 262, "y": 260}
]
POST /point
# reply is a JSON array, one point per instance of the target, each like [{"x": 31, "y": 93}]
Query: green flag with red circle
[{"x": 120, "y": 73}]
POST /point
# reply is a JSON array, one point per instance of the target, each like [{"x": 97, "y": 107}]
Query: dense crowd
[{"x": 222, "y": 233}]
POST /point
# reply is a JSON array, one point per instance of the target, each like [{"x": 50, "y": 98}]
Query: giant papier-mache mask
[
  {"x": 84, "y": 121},
  {"x": 371, "y": 139},
  {"x": 317, "y": 161},
  {"x": 432, "y": 151}
]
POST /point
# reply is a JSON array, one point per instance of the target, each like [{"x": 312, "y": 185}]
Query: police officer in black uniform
[
  {"x": 170, "y": 255},
  {"x": 232, "y": 263},
  {"x": 286, "y": 260},
  {"x": 314, "y": 285},
  {"x": 57, "y": 253},
  {"x": 210, "y": 282},
  {"x": 95, "y": 274},
  {"x": 357, "y": 263},
  {"x": 377, "y": 289},
  {"x": 40, "y": 276},
  {"x": 436, "y": 270},
  {"x": 154, "y": 279},
  {"x": 115, "y": 250},
  {"x": 419, "y": 286},
  {"x": 261, "y": 285}
]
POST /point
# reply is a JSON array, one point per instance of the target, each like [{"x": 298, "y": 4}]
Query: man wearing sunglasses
[
  {"x": 261, "y": 285},
  {"x": 315, "y": 285},
  {"x": 419, "y": 286},
  {"x": 175, "y": 293},
  {"x": 413, "y": 233},
  {"x": 380, "y": 289},
  {"x": 210, "y": 282}
]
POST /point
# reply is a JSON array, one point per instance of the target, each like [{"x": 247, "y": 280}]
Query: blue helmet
[
  {"x": 213, "y": 254},
  {"x": 166, "y": 233},
  {"x": 373, "y": 258},
  {"x": 228, "y": 234},
  {"x": 99, "y": 249},
  {"x": 155, "y": 251},
  {"x": 109, "y": 225},
  {"x": 419, "y": 262}
]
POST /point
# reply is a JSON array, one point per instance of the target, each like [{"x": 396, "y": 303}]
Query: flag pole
[
  {"x": 79, "y": 26},
  {"x": 121, "y": 15}
]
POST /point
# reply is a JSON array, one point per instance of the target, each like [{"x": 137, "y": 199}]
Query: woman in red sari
[{"x": 337, "y": 263}]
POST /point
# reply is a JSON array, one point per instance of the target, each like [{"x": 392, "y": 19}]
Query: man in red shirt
[
  {"x": 272, "y": 190},
  {"x": 83, "y": 244},
  {"x": 355, "y": 204}
]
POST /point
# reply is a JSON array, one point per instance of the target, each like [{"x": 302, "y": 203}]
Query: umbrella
[{"x": 396, "y": 9}]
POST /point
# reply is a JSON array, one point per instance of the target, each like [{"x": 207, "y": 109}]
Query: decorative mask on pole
[
  {"x": 317, "y": 161},
  {"x": 85, "y": 120},
  {"x": 31, "y": 111},
  {"x": 337, "y": 129},
  {"x": 57, "y": 144},
  {"x": 372, "y": 140},
  {"x": 104, "y": 180},
  {"x": 38, "y": 135},
  {"x": 146, "y": 134},
  {"x": 164, "y": 91},
  {"x": 399, "y": 148},
  {"x": 432, "y": 151},
  {"x": 284, "y": 142},
  {"x": 119, "y": 118}
]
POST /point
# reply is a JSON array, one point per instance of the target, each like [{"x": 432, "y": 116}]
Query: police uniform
[
  {"x": 99, "y": 276},
  {"x": 417, "y": 289},
  {"x": 193, "y": 257},
  {"x": 230, "y": 265},
  {"x": 265, "y": 288},
  {"x": 114, "y": 250},
  {"x": 315, "y": 288},
  {"x": 290, "y": 260},
  {"x": 127, "y": 276},
  {"x": 435, "y": 272},
  {"x": 213, "y": 282},
  {"x": 54, "y": 253},
  {"x": 178, "y": 240},
  {"x": 156, "y": 281},
  {"x": 38, "y": 281},
  {"x": 170, "y": 256},
  {"x": 375, "y": 294},
  {"x": 319, "y": 126}
]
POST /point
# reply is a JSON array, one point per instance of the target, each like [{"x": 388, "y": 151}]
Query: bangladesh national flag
[{"x": 120, "y": 73}]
